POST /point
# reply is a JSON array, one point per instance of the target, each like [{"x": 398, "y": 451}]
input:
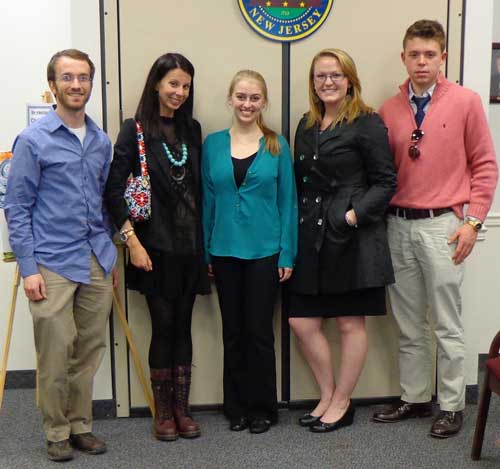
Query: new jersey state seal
[{"x": 285, "y": 20}]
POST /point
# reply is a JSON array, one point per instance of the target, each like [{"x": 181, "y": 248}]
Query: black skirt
[
  {"x": 365, "y": 302},
  {"x": 172, "y": 276}
]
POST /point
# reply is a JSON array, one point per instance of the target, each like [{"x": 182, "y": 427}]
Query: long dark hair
[{"x": 148, "y": 109}]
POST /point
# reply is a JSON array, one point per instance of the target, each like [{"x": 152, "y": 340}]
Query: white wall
[
  {"x": 85, "y": 35},
  {"x": 480, "y": 303},
  {"x": 31, "y": 31},
  {"x": 477, "y": 53},
  {"x": 494, "y": 109},
  {"x": 34, "y": 29}
]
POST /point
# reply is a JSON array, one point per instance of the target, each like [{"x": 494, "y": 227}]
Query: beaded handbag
[{"x": 138, "y": 191}]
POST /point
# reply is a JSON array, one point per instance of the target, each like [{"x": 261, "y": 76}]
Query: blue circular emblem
[{"x": 285, "y": 20}]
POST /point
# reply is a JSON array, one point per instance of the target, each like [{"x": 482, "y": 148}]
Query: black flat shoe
[
  {"x": 307, "y": 420},
  {"x": 259, "y": 425},
  {"x": 238, "y": 424},
  {"x": 344, "y": 421}
]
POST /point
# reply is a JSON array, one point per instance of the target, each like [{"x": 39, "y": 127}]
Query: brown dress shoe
[
  {"x": 88, "y": 443},
  {"x": 59, "y": 450},
  {"x": 447, "y": 424},
  {"x": 402, "y": 411}
]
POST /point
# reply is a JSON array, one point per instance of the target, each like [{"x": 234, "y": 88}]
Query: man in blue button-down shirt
[{"x": 62, "y": 241}]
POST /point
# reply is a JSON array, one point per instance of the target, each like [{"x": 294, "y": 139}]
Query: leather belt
[{"x": 417, "y": 213}]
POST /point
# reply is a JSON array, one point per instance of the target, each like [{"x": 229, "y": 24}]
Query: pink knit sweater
[{"x": 457, "y": 163}]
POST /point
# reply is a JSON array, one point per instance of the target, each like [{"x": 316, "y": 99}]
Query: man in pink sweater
[{"x": 445, "y": 159}]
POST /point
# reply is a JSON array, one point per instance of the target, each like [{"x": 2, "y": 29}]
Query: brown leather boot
[
  {"x": 164, "y": 427},
  {"x": 187, "y": 427}
]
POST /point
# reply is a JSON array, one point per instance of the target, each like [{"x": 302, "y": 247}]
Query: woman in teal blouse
[{"x": 250, "y": 234}]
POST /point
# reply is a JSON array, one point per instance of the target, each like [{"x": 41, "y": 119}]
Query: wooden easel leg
[
  {"x": 5, "y": 356},
  {"x": 133, "y": 350}
]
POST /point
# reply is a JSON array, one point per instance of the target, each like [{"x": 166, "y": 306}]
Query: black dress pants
[{"x": 247, "y": 293}]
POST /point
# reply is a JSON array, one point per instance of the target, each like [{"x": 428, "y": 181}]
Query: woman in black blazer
[
  {"x": 166, "y": 261},
  {"x": 345, "y": 180}
]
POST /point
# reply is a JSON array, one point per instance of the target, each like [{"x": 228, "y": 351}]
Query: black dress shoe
[
  {"x": 307, "y": 420},
  {"x": 238, "y": 424},
  {"x": 447, "y": 424},
  {"x": 344, "y": 421},
  {"x": 259, "y": 425},
  {"x": 403, "y": 410}
]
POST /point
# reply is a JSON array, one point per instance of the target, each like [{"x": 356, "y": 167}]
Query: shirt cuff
[
  {"x": 27, "y": 266},
  {"x": 285, "y": 260},
  {"x": 208, "y": 258}
]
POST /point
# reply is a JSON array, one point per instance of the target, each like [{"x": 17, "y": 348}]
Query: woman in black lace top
[{"x": 166, "y": 260}]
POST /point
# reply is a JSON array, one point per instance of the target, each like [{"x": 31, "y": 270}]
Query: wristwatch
[
  {"x": 126, "y": 234},
  {"x": 474, "y": 222}
]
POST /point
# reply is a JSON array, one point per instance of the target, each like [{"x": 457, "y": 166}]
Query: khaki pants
[
  {"x": 70, "y": 341},
  {"x": 425, "y": 297}
]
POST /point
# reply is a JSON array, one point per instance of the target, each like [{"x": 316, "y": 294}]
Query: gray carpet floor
[{"x": 363, "y": 445}]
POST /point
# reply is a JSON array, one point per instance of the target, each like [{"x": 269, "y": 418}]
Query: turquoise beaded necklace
[{"x": 184, "y": 153}]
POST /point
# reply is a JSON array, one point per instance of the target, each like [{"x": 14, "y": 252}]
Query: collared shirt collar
[
  {"x": 54, "y": 122},
  {"x": 429, "y": 92}
]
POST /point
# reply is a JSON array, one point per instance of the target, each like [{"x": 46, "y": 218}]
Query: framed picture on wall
[{"x": 495, "y": 73}]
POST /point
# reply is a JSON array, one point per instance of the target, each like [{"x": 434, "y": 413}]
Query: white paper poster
[
  {"x": 4, "y": 172},
  {"x": 37, "y": 111}
]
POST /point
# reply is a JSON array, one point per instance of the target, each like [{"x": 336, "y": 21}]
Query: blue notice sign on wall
[{"x": 285, "y": 20}]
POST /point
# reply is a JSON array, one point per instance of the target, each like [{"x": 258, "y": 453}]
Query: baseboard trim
[
  {"x": 26, "y": 379},
  {"x": 20, "y": 379},
  {"x": 104, "y": 409},
  {"x": 139, "y": 412},
  {"x": 361, "y": 402}
]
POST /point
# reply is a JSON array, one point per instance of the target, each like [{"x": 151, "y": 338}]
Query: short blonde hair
[
  {"x": 270, "y": 136},
  {"x": 352, "y": 106}
]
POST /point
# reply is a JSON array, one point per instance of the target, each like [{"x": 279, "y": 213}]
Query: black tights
[{"x": 171, "y": 343}]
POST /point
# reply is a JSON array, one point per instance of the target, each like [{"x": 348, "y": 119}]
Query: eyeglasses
[
  {"x": 69, "y": 78},
  {"x": 413, "y": 150},
  {"x": 335, "y": 77}
]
